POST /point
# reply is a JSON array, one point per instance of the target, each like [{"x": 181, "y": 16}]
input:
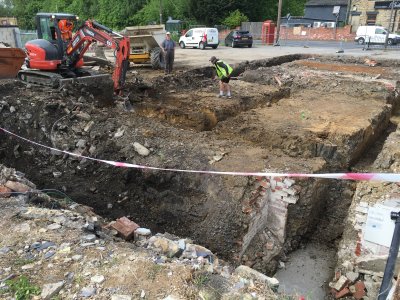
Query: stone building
[{"x": 367, "y": 12}]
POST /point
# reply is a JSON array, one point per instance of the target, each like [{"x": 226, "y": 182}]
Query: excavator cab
[{"x": 55, "y": 28}]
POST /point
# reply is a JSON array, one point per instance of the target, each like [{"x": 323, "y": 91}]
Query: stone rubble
[
  {"x": 71, "y": 253},
  {"x": 362, "y": 262}
]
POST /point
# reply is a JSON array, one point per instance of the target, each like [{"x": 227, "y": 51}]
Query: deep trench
[{"x": 177, "y": 203}]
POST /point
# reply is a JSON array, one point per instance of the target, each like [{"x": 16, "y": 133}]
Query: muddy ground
[{"x": 297, "y": 113}]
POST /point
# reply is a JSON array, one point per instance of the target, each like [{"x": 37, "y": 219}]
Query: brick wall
[
  {"x": 321, "y": 33},
  {"x": 305, "y": 33},
  {"x": 268, "y": 211}
]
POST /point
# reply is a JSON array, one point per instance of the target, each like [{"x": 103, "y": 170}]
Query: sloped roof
[{"x": 326, "y": 2}]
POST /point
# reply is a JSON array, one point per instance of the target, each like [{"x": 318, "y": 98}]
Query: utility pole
[
  {"x": 391, "y": 261},
  {"x": 278, "y": 23},
  {"x": 160, "y": 12},
  {"x": 390, "y": 23}
]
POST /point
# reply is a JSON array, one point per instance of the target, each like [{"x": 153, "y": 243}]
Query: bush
[{"x": 235, "y": 19}]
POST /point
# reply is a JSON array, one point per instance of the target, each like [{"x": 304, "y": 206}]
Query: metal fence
[
  {"x": 255, "y": 28},
  {"x": 378, "y": 42},
  {"x": 306, "y": 37}
]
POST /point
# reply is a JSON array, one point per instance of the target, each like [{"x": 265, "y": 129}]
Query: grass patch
[
  {"x": 23, "y": 261},
  {"x": 155, "y": 269},
  {"x": 200, "y": 279},
  {"x": 22, "y": 288}
]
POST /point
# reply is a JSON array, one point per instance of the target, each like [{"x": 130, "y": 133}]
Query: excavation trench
[{"x": 287, "y": 115}]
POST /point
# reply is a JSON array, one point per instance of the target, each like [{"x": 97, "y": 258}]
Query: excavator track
[
  {"x": 39, "y": 77},
  {"x": 56, "y": 80}
]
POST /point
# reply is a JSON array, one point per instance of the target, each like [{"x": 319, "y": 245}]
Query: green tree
[
  {"x": 215, "y": 11},
  {"x": 150, "y": 13},
  {"x": 25, "y": 11},
  {"x": 235, "y": 19},
  {"x": 294, "y": 7},
  {"x": 6, "y": 8}
]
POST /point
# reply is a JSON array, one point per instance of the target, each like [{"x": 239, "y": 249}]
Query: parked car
[
  {"x": 200, "y": 38},
  {"x": 239, "y": 38},
  {"x": 375, "y": 35}
]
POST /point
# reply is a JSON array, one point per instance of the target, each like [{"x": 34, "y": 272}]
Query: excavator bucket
[{"x": 11, "y": 61}]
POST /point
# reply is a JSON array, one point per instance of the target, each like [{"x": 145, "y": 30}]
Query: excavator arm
[{"x": 90, "y": 32}]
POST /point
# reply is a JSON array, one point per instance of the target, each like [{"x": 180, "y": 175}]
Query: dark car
[{"x": 239, "y": 38}]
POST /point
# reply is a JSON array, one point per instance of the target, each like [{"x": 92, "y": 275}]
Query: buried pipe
[{"x": 391, "y": 261}]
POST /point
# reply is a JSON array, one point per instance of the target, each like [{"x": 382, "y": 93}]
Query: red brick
[
  {"x": 342, "y": 293},
  {"x": 125, "y": 227},
  {"x": 360, "y": 290},
  {"x": 264, "y": 184},
  {"x": 17, "y": 186},
  {"x": 5, "y": 192}
]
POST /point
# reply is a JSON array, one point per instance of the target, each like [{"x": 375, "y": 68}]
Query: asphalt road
[{"x": 189, "y": 57}]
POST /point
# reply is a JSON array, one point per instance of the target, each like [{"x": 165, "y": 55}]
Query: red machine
[{"x": 57, "y": 54}]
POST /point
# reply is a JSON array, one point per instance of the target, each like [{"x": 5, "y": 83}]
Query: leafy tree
[
  {"x": 122, "y": 13},
  {"x": 234, "y": 19},
  {"x": 25, "y": 11},
  {"x": 6, "y": 8},
  {"x": 294, "y": 7},
  {"x": 150, "y": 13}
]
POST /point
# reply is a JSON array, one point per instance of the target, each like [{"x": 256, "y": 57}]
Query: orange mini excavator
[{"x": 57, "y": 55}]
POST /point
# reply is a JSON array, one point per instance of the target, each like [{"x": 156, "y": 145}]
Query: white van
[
  {"x": 375, "y": 35},
  {"x": 200, "y": 38}
]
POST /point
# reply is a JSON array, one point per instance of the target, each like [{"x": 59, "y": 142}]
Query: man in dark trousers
[
  {"x": 224, "y": 72},
  {"x": 168, "y": 46}
]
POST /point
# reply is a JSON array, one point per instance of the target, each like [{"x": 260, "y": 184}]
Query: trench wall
[
  {"x": 242, "y": 219},
  {"x": 356, "y": 252}
]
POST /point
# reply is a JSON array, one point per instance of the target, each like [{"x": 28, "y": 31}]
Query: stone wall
[{"x": 358, "y": 15}]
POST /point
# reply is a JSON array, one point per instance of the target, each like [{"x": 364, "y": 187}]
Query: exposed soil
[{"x": 288, "y": 114}]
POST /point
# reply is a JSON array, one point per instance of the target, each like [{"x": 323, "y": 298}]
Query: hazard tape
[{"x": 387, "y": 177}]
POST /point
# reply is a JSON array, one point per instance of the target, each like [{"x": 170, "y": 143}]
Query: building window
[{"x": 371, "y": 18}]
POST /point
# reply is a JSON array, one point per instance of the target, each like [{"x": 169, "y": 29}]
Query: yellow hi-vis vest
[{"x": 223, "y": 69}]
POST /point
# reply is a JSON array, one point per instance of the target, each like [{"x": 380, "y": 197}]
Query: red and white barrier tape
[{"x": 388, "y": 177}]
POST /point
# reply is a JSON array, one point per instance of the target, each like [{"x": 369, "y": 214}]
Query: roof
[
  {"x": 56, "y": 15},
  {"x": 174, "y": 21},
  {"x": 327, "y": 2}
]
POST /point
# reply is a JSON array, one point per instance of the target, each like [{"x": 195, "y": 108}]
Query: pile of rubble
[{"x": 72, "y": 253}]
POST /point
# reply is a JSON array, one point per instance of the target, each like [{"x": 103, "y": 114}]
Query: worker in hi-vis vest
[{"x": 224, "y": 72}]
